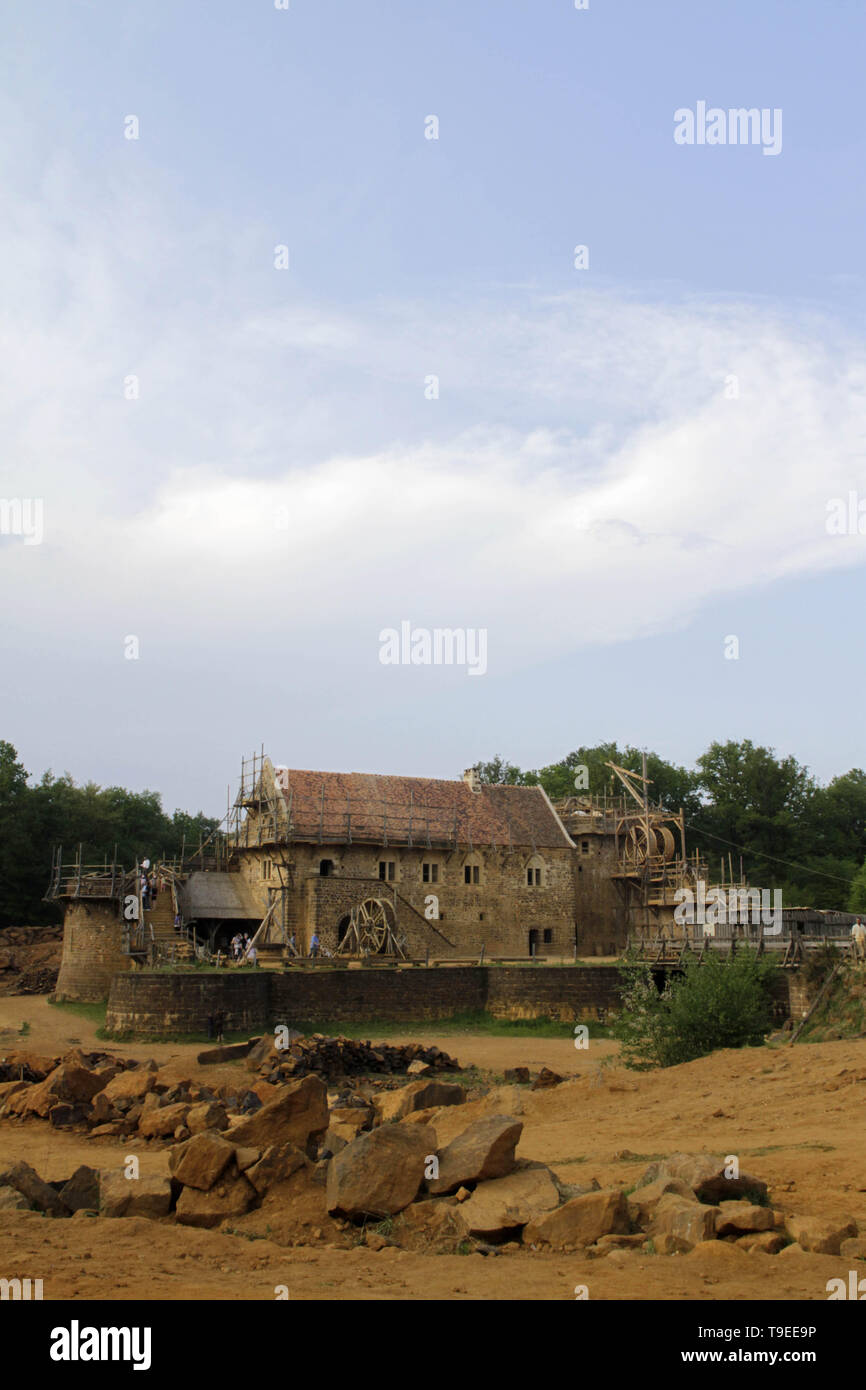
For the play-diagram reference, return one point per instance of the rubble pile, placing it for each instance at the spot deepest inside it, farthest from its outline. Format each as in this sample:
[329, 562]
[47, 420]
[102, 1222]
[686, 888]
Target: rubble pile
[341, 1056]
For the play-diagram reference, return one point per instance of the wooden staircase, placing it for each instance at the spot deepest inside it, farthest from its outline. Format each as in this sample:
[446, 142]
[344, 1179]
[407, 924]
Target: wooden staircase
[167, 942]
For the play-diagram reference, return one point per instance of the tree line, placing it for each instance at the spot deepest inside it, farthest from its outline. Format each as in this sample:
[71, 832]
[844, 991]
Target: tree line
[35, 817]
[741, 800]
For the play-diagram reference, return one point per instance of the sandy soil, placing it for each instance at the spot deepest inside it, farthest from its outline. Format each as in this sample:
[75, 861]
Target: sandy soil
[794, 1117]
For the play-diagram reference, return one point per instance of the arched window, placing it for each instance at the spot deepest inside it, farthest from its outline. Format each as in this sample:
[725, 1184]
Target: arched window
[535, 872]
[326, 868]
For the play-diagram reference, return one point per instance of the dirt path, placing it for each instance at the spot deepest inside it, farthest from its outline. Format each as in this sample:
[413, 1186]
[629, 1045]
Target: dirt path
[793, 1116]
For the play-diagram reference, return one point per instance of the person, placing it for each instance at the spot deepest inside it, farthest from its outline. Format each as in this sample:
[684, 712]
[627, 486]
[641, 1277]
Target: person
[219, 1019]
[314, 946]
[858, 932]
[252, 955]
[145, 896]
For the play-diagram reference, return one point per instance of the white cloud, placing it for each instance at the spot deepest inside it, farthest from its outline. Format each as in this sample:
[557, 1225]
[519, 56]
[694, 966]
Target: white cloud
[582, 478]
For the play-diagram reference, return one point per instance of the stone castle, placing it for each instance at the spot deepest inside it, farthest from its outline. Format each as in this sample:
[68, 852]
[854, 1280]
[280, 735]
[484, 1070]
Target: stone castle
[404, 867]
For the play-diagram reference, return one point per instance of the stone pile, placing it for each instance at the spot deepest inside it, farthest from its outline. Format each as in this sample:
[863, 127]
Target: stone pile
[341, 1056]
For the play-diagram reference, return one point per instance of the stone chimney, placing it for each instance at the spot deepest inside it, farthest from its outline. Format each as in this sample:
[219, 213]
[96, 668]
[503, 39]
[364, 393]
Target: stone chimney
[472, 778]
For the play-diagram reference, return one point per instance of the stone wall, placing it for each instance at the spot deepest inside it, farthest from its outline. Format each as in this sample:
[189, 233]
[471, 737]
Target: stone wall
[156, 1002]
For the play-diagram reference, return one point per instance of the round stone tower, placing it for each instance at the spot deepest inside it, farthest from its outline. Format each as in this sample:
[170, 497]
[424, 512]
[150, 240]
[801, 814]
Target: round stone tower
[93, 941]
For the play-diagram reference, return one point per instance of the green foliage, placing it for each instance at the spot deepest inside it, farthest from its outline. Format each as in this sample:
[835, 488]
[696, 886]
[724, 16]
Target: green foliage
[36, 818]
[719, 1003]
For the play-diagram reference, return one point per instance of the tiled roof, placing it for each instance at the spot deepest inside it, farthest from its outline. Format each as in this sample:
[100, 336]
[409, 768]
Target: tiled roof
[340, 807]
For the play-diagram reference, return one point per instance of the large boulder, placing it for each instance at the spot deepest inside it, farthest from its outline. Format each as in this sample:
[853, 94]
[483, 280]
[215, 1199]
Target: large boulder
[380, 1173]
[81, 1192]
[210, 1114]
[820, 1236]
[484, 1150]
[129, 1085]
[418, 1095]
[148, 1196]
[40, 1195]
[496, 1209]
[12, 1200]
[277, 1164]
[69, 1083]
[742, 1218]
[297, 1115]
[644, 1200]
[232, 1196]
[680, 1223]
[201, 1160]
[581, 1221]
[705, 1174]
[161, 1123]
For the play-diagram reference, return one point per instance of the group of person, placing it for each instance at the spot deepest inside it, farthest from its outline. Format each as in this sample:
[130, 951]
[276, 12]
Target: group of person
[243, 949]
[150, 886]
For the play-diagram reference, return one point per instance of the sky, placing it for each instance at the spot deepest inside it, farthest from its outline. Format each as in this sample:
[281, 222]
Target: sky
[320, 321]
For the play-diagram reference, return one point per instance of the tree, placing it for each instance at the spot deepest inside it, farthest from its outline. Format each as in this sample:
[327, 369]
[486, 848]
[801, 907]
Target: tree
[718, 1003]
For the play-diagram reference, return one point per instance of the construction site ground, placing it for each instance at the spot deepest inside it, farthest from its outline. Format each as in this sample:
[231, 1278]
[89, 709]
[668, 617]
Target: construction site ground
[794, 1116]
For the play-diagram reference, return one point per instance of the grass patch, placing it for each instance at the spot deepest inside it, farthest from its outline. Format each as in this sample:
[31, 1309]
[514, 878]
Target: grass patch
[93, 1013]
[469, 1021]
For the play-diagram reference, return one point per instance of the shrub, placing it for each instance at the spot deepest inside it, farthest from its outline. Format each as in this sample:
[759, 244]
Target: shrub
[719, 1003]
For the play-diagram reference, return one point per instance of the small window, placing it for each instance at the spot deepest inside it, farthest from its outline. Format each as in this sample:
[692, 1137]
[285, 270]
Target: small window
[430, 873]
[266, 868]
[548, 936]
[326, 868]
[470, 873]
[533, 878]
[387, 869]
[584, 846]
[481, 916]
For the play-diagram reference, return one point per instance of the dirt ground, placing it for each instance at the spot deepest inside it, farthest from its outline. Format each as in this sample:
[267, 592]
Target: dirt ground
[795, 1117]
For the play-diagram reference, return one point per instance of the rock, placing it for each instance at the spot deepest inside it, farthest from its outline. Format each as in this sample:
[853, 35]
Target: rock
[114, 1194]
[40, 1195]
[100, 1131]
[434, 1224]
[35, 1063]
[229, 1053]
[209, 1115]
[263, 1051]
[161, 1123]
[546, 1078]
[180, 1134]
[417, 1068]
[276, 1165]
[150, 1197]
[581, 1221]
[705, 1175]
[766, 1242]
[717, 1251]
[819, 1236]
[82, 1190]
[12, 1200]
[462, 1194]
[265, 1091]
[10, 1088]
[740, 1218]
[484, 1150]
[517, 1076]
[498, 1208]
[333, 1142]
[101, 1109]
[201, 1160]
[679, 1224]
[64, 1116]
[245, 1158]
[67, 1083]
[352, 1116]
[854, 1248]
[418, 1095]
[232, 1196]
[793, 1249]
[129, 1085]
[644, 1200]
[606, 1244]
[298, 1115]
[380, 1173]
[374, 1241]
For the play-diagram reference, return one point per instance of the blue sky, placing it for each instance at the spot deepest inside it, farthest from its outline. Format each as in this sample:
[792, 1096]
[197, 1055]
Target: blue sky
[583, 488]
